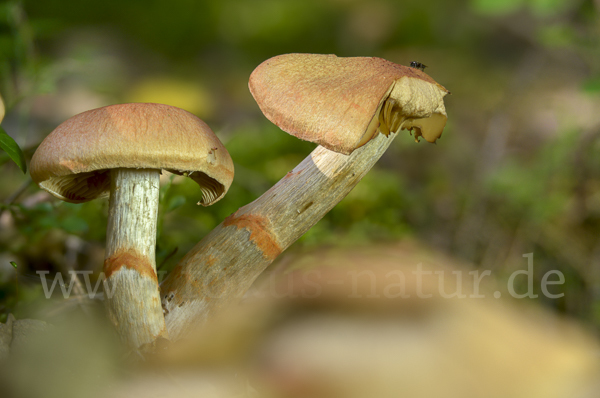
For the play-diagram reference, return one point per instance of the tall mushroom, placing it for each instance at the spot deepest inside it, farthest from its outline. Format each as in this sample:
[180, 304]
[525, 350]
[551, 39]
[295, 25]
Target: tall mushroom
[120, 150]
[340, 103]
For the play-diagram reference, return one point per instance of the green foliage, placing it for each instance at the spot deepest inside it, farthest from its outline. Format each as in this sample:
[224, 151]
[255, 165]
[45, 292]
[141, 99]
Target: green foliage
[538, 190]
[493, 7]
[542, 8]
[558, 35]
[592, 85]
[8, 145]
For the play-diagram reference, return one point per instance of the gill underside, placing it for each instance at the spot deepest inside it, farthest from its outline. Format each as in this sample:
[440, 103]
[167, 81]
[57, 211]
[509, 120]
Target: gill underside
[392, 120]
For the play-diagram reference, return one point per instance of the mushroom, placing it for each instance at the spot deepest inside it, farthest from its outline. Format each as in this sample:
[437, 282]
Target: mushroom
[120, 150]
[341, 103]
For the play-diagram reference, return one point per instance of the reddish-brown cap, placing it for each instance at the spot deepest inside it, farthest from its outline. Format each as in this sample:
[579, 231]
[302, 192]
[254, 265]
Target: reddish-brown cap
[341, 103]
[73, 162]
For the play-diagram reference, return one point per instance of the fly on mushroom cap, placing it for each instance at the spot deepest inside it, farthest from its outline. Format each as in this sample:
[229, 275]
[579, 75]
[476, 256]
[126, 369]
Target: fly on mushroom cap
[73, 163]
[341, 103]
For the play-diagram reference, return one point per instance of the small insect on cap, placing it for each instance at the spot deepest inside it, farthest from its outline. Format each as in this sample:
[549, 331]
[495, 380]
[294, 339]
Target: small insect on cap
[341, 103]
[73, 162]
[418, 65]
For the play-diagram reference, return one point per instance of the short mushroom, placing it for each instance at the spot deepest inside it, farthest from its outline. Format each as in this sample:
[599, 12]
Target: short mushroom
[341, 103]
[120, 150]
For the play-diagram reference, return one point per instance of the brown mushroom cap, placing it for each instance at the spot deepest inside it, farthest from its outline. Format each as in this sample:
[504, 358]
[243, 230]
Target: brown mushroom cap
[341, 103]
[73, 162]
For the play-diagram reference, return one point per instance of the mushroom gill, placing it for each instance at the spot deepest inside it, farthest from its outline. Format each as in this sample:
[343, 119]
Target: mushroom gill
[413, 105]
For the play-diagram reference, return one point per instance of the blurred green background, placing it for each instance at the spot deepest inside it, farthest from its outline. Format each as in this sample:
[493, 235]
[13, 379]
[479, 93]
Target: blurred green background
[516, 171]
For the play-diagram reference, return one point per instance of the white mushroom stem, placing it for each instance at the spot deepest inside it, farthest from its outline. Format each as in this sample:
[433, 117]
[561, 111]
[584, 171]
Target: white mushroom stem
[132, 294]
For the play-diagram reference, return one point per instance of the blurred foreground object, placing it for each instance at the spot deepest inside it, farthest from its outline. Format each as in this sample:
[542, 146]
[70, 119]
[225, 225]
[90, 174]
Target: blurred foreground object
[337, 328]
[17, 333]
[121, 150]
[75, 357]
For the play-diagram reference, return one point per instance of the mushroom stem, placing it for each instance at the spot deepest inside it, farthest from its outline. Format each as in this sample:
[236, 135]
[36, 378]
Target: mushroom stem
[226, 262]
[132, 293]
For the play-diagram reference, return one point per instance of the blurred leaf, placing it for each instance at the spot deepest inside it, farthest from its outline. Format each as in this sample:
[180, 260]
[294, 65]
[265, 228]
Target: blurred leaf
[45, 207]
[556, 36]
[74, 224]
[538, 192]
[13, 264]
[542, 8]
[496, 7]
[549, 7]
[12, 149]
[592, 85]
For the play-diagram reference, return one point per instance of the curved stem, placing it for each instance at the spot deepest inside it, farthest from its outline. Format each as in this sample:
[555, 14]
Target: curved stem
[221, 268]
